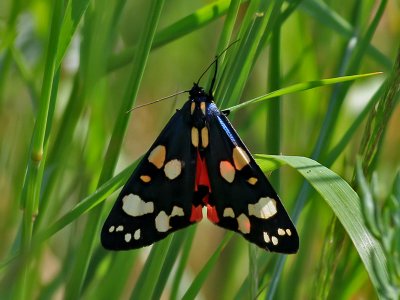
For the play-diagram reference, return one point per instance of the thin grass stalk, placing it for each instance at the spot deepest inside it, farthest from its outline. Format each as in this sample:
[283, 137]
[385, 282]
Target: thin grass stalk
[225, 37]
[329, 261]
[187, 246]
[330, 120]
[172, 256]
[9, 38]
[139, 63]
[60, 149]
[180, 28]
[263, 21]
[34, 176]
[273, 126]
[232, 56]
[146, 284]
[91, 73]
[378, 120]
[353, 66]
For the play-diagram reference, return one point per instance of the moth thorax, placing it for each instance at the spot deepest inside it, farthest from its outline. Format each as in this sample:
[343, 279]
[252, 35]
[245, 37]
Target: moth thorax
[198, 117]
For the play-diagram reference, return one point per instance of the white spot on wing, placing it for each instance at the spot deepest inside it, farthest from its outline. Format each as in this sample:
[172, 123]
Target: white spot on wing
[243, 223]
[111, 229]
[281, 231]
[228, 212]
[136, 235]
[173, 168]
[119, 228]
[177, 211]
[266, 237]
[128, 237]
[288, 232]
[162, 222]
[263, 209]
[134, 206]
[274, 240]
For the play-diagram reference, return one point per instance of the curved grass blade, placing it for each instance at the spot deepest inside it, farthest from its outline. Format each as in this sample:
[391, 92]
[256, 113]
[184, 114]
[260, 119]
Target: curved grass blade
[345, 203]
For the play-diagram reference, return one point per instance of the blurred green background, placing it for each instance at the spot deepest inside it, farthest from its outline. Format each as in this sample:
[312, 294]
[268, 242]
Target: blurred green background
[69, 71]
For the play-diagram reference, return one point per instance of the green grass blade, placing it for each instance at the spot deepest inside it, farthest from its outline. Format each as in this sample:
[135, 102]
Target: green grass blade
[172, 255]
[226, 35]
[242, 63]
[301, 87]
[87, 204]
[72, 17]
[190, 233]
[328, 17]
[349, 134]
[85, 249]
[197, 283]
[192, 22]
[117, 276]
[38, 152]
[184, 26]
[146, 283]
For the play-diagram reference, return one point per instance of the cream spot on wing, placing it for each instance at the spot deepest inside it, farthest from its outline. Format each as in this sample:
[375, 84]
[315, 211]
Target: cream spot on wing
[228, 212]
[119, 228]
[240, 158]
[134, 206]
[192, 107]
[162, 222]
[274, 240]
[227, 171]
[128, 237]
[145, 178]
[204, 137]
[244, 224]
[173, 168]
[203, 107]
[263, 209]
[252, 180]
[266, 237]
[177, 211]
[281, 231]
[136, 235]
[288, 232]
[157, 156]
[111, 229]
[195, 137]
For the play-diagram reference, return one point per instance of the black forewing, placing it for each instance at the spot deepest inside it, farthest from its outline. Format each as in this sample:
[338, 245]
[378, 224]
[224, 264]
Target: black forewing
[122, 231]
[275, 233]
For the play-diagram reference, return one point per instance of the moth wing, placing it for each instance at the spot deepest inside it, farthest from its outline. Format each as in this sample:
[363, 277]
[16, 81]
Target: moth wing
[157, 199]
[242, 199]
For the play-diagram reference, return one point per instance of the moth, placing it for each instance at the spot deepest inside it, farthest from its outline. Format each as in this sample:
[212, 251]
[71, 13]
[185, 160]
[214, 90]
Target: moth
[197, 161]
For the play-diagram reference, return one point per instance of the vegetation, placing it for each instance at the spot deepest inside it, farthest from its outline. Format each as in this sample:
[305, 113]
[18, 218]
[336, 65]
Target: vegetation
[304, 76]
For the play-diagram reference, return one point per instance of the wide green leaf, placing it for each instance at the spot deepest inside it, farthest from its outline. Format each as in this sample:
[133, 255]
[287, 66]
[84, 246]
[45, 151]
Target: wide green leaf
[345, 204]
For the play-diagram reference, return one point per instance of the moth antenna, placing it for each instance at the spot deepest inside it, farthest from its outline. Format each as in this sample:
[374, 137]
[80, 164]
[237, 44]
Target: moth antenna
[215, 61]
[156, 101]
[214, 77]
